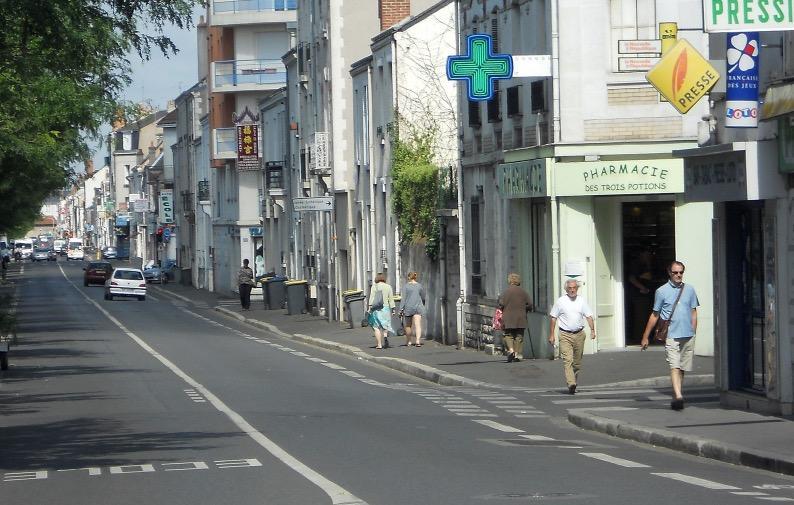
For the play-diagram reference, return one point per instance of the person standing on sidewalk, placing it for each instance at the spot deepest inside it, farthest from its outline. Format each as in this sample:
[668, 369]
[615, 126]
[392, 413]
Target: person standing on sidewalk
[245, 281]
[412, 308]
[515, 303]
[680, 344]
[381, 305]
[571, 310]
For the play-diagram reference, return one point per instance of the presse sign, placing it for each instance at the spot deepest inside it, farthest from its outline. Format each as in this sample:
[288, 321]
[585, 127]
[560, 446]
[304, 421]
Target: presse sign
[748, 15]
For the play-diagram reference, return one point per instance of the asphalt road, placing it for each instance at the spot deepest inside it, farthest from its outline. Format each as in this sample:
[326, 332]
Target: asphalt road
[165, 402]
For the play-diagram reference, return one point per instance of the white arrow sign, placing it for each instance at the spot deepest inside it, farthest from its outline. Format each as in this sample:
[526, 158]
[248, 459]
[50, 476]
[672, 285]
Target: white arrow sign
[313, 204]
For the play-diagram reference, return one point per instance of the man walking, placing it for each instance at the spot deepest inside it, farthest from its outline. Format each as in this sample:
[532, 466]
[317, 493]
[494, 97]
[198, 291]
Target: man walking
[679, 301]
[571, 310]
[245, 281]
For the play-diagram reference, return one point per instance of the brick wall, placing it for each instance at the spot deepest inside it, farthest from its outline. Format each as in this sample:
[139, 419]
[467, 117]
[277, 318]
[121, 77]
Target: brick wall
[633, 128]
[632, 96]
[393, 11]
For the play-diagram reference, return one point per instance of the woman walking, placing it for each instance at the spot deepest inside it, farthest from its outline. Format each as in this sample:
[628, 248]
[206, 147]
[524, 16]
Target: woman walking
[381, 304]
[515, 303]
[412, 308]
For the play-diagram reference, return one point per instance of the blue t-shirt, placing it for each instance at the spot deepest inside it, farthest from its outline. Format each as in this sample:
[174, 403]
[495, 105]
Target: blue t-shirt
[681, 325]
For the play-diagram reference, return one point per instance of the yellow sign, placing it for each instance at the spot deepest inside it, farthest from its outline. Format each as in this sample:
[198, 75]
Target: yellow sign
[683, 76]
[668, 34]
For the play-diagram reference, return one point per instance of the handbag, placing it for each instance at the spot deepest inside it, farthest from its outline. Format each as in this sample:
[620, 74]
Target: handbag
[377, 301]
[663, 325]
[498, 324]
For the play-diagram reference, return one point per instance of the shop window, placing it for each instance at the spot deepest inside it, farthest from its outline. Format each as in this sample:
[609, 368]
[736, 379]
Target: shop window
[540, 265]
[477, 262]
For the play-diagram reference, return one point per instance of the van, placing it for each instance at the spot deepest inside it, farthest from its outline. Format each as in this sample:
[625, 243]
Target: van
[75, 249]
[23, 247]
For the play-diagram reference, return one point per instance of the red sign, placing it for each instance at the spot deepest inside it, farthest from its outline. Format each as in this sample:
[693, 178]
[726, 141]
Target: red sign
[248, 147]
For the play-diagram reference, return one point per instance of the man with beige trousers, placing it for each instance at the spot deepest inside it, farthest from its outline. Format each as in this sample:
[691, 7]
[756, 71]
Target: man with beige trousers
[572, 311]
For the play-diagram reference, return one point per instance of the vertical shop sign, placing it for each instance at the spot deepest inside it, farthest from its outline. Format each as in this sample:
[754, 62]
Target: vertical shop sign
[166, 206]
[741, 94]
[247, 147]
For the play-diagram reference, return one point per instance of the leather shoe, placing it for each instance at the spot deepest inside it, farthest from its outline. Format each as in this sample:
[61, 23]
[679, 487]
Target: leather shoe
[677, 404]
[510, 357]
[572, 389]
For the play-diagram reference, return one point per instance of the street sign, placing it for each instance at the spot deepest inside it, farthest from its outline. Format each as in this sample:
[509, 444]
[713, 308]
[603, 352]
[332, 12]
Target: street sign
[313, 204]
[683, 76]
[479, 67]
[639, 46]
[748, 15]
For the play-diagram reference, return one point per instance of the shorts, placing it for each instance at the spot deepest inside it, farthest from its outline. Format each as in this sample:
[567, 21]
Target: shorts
[680, 352]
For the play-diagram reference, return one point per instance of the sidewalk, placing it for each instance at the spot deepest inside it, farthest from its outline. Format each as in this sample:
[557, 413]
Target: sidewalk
[727, 435]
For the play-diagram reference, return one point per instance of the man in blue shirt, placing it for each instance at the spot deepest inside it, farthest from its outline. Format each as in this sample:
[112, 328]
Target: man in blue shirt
[680, 345]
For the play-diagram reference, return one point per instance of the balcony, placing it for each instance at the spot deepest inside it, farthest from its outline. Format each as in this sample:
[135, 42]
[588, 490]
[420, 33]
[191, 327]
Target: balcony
[225, 140]
[248, 75]
[243, 12]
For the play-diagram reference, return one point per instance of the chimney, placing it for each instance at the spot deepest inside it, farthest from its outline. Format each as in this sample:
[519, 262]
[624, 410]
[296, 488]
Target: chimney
[392, 12]
[89, 167]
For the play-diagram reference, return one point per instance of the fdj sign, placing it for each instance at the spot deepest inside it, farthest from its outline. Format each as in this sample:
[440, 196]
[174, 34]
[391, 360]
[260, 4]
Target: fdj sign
[480, 67]
[748, 15]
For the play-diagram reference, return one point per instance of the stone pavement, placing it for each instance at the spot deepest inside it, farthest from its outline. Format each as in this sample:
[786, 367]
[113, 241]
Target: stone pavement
[705, 430]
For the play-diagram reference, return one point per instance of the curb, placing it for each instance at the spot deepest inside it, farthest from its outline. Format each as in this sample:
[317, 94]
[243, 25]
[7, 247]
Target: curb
[696, 446]
[664, 381]
[409, 367]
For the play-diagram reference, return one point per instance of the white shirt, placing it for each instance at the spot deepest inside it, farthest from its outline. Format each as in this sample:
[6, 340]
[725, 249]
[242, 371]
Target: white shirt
[570, 314]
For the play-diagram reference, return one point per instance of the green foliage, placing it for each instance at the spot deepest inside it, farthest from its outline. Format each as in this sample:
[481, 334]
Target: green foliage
[415, 186]
[62, 70]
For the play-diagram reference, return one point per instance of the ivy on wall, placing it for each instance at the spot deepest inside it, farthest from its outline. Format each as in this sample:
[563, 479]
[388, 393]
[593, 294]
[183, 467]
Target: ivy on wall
[415, 185]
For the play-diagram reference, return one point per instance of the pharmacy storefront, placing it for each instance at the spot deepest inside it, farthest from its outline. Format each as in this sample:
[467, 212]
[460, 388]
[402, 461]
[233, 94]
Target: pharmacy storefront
[613, 225]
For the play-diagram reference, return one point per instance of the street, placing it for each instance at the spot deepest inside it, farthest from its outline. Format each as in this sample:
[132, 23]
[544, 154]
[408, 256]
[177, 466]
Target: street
[168, 402]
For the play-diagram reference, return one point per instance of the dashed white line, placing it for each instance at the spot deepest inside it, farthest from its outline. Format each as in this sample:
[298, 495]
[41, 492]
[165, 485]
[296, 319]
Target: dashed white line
[695, 481]
[775, 498]
[615, 461]
[591, 400]
[498, 426]
[333, 366]
[537, 438]
[749, 493]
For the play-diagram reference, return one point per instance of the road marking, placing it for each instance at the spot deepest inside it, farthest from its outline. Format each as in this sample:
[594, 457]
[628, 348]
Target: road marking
[591, 400]
[615, 461]
[775, 498]
[353, 374]
[152, 297]
[609, 392]
[498, 426]
[530, 416]
[300, 354]
[708, 484]
[132, 469]
[337, 493]
[539, 438]
[333, 366]
[474, 414]
[608, 409]
[316, 360]
[187, 465]
[749, 493]
[687, 397]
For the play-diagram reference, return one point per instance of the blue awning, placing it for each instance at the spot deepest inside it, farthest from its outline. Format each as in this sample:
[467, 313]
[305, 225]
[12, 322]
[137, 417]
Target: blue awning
[122, 220]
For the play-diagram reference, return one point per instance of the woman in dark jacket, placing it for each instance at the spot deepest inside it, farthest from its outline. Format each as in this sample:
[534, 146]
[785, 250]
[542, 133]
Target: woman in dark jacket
[515, 303]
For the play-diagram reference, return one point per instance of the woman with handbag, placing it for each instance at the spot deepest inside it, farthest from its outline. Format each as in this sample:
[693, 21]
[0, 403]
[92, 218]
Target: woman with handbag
[412, 308]
[381, 305]
[515, 303]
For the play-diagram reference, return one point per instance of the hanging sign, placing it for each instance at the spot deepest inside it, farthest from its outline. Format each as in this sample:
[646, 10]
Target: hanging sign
[479, 67]
[683, 76]
[741, 93]
[166, 206]
[247, 147]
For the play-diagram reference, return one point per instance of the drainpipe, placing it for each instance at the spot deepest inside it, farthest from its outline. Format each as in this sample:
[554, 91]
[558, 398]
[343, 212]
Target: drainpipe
[442, 270]
[461, 231]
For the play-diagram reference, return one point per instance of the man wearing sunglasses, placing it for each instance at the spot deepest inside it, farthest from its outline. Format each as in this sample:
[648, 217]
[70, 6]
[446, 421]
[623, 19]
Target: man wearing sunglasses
[680, 344]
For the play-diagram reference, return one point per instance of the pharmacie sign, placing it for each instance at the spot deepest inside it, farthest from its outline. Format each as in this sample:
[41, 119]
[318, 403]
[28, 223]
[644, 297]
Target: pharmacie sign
[625, 177]
[522, 179]
[748, 15]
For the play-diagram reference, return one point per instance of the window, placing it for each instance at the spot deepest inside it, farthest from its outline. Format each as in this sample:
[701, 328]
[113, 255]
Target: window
[474, 113]
[631, 20]
[538, 96]
[275, 175]
[494, 107]
[477, 262]
[540, 264]
[514, 101]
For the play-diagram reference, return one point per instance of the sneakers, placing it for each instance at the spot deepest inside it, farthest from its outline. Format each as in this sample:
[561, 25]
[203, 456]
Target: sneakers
[572, 389]
[510, 357]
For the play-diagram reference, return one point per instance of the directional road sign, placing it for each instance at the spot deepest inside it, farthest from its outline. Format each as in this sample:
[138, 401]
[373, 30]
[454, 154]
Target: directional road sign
[313, 204]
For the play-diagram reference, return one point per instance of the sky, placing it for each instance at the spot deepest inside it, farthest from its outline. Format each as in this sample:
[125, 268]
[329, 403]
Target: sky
[160, 79]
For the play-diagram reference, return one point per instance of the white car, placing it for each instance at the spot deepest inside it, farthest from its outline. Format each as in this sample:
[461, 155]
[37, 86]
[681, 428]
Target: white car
[75, 254]
[127, 282]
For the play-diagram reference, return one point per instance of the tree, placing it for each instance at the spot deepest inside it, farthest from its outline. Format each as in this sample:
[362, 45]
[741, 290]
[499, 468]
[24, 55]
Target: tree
[63, 66]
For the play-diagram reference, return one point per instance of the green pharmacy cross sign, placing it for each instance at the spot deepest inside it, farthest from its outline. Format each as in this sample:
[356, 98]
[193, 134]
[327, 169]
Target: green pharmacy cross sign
[480, 67]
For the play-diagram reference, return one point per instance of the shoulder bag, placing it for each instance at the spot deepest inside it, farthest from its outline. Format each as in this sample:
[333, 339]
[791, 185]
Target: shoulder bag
[377, 301]
[663, 325]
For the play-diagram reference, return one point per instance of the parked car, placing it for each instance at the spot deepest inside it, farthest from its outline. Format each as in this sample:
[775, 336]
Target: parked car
[155, 274]
[97, 272]
[126, 282]
[42, 254]
[109, 253]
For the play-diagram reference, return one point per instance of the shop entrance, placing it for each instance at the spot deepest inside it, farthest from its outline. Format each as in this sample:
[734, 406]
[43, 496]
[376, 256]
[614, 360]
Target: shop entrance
[648, 247]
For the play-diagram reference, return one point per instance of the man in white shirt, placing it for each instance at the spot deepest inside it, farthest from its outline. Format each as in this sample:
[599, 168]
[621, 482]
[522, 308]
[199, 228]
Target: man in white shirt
[571, 310]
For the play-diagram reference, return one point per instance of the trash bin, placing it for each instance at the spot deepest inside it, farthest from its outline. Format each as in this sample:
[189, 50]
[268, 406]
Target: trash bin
[354, 306]
[274, 287]
[396, 320]
[296, 296]
[262, 282]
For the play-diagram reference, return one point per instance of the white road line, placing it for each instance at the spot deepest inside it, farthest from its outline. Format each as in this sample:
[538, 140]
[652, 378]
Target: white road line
[338, 494]
[539, 438]
[774, 498]
[474, 414]
[523, 411]
[749, 493]
[507, 402]
[530, 416]
[708, 484]
[615, 461]
[316, 360]
[687, 397]
[608, 409]
[333, 366]
[591, 400]
[609, 392]
[351, 373]
[499, 426]
[301, 354]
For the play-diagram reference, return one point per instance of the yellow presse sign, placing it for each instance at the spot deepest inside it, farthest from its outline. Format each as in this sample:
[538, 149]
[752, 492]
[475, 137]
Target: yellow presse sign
[683, 76]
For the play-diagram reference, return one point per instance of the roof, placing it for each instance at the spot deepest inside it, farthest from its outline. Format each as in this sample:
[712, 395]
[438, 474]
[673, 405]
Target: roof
[137, 125]
[168, 119]
[409, 21]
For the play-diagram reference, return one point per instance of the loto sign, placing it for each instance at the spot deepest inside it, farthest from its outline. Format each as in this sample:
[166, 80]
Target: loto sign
[683, 76]
[748, 15]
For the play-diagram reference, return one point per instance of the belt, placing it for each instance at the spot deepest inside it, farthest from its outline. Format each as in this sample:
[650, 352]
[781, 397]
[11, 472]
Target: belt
[572, 331]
